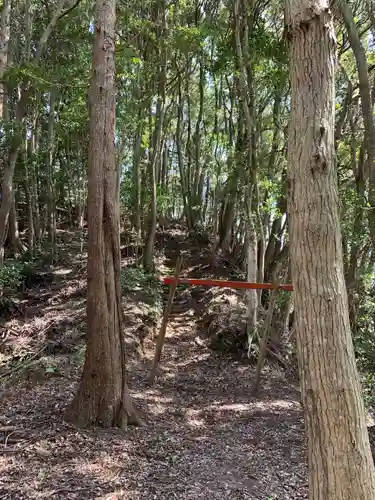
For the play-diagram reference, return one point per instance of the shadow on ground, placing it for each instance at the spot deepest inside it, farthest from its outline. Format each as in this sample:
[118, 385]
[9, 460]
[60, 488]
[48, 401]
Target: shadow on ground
[206, 436]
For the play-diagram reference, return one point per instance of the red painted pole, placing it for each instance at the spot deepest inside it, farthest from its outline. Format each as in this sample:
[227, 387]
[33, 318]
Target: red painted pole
[228, 284]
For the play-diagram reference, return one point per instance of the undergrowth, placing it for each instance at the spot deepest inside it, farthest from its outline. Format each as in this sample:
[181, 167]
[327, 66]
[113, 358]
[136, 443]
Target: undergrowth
[21, 273]
[135, 280]
[363, 329]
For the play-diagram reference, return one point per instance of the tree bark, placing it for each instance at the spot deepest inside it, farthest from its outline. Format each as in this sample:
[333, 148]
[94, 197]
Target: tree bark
[8, 173]
[340, 461]
[51, 211]
[137, 178]
[248, 153]
[32, 177]
[148, 259]
[184, 181]
[28, 196]
[102, 397]
[14, 239]
[4, 49]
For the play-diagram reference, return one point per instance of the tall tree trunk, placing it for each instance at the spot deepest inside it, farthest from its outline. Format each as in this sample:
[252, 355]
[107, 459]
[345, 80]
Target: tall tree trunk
[14, 239]
[8, 172]
[339, 455]
[196, 198]
[148, 260]
[353, 268]
[251, 248]
[102, 397]
[366, 103]
[137, 178]
[28, 195]
[51, 215]
[4, 50]
[32, 178]
[184, 180]
[245, 87]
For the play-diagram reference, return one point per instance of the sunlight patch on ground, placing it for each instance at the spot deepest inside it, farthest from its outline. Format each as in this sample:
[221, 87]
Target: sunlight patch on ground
[5, 464]
[192, 418]
[171, 365]
[106, 467]
[117, 495]
[62, 271]
[153, 396]
[254, 405]
[22, 342]
[156, 404]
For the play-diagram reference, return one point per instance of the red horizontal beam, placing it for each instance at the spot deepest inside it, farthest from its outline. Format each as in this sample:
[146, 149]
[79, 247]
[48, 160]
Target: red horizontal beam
[226, 284]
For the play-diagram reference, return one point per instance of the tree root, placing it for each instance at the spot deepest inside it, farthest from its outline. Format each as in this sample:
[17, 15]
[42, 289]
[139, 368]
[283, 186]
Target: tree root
[127, 413]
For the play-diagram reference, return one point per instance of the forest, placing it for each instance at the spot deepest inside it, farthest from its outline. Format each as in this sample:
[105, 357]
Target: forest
[146, 143]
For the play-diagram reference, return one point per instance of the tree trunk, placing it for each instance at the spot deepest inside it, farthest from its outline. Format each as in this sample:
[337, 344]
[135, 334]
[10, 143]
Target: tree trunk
[102, 397]
[32, 179]
[148, 260]
[248, 155]
[251, 295]
[366, 103]
[340, 461]
[51, 213]
[28, 196]
[195, 187]
[184, 181]
[137, 178]
[14, 239]
[4, 49]
[8, 173]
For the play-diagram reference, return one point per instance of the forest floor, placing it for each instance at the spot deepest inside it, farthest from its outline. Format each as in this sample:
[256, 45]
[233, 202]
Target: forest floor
[206, 436]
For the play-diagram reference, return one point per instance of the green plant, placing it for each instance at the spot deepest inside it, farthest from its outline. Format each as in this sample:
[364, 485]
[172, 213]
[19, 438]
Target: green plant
[11, 279]
[15, 275]
[136, 280]
[79, 355]
[368, 389]
[363, 328]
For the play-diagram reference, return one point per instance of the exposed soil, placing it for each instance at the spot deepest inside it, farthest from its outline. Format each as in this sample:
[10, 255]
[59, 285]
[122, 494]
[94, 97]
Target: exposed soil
[206, 436]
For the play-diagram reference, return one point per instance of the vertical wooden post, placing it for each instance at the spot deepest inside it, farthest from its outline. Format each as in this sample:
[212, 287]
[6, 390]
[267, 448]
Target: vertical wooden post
[266, 332]
[163, 327]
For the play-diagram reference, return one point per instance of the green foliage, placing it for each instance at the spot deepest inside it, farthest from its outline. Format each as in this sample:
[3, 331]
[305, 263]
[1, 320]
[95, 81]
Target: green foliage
[212, 137]
[368, 388]
[11, 279]
[79, 354]
[127, 190]
[164, 199]
[15, 276]
[282, 298]
[51, 369]
[190, 38]
[365, 334]
[364, 338]
[136, 280]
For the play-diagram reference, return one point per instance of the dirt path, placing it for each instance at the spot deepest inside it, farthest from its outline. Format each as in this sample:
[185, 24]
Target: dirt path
[206, 437]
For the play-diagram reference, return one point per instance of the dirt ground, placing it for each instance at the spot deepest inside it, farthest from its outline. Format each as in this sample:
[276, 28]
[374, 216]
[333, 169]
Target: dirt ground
[206, 436]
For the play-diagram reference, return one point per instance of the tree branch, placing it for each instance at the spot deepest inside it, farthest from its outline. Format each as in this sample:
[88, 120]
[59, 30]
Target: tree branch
[58, 14]
[70, 9]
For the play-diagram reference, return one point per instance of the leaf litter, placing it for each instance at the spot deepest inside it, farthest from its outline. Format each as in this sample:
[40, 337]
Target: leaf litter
[206, 436]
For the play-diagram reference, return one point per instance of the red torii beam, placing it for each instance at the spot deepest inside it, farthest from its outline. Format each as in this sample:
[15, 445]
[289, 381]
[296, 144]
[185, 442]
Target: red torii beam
[175, 280]
[226, 284]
